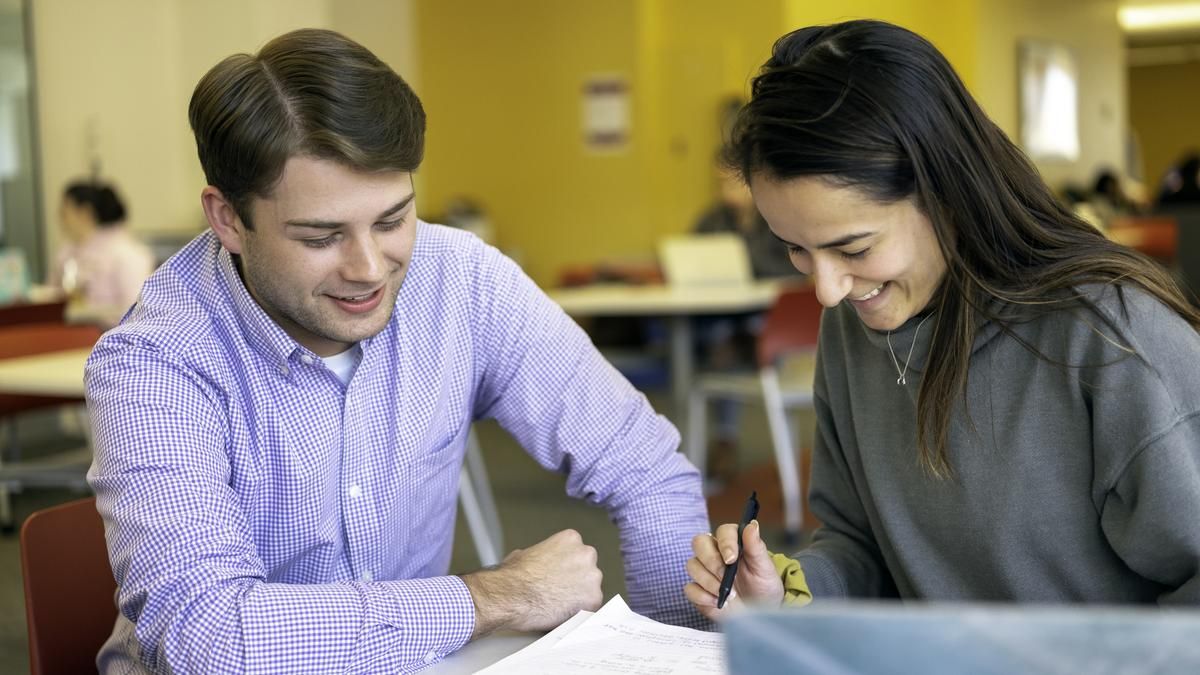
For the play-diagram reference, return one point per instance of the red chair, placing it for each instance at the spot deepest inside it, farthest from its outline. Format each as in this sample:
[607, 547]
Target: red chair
[784, 352]
[1156, 236]
[70, 604]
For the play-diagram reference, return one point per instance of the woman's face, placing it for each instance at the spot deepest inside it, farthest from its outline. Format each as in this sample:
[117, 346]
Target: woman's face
[77, 220]
[882, 258]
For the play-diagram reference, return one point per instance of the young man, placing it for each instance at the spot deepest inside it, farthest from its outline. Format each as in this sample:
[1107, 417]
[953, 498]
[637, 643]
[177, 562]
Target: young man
[280, 421]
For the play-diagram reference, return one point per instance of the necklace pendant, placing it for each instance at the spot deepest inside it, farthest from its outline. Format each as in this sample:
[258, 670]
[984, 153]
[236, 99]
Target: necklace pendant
[901, 381]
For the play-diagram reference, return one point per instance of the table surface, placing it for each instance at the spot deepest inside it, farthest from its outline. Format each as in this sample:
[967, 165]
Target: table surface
[483, 653]
[48, 374]
[659, 300]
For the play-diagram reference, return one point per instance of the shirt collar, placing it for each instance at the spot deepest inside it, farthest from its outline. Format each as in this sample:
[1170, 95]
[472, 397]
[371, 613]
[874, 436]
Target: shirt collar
[260, 330]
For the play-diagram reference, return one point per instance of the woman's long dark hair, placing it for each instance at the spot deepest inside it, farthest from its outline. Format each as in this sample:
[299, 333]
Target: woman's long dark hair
[870, 105]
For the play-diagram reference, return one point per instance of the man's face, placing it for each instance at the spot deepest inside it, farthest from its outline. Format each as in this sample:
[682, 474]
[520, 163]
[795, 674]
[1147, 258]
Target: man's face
[329, 251]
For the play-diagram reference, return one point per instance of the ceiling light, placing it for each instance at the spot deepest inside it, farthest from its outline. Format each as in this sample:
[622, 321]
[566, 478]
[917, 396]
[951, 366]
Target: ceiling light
[1159, 17]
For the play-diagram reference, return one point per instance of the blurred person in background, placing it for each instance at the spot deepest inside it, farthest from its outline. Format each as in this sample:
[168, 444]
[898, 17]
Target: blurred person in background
[1109, 198]
[727, 341]
[102, 266]
[1181, 185]
[1008, 403]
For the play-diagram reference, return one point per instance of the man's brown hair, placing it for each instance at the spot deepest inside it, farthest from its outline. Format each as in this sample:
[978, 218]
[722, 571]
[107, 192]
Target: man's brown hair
[310, 92]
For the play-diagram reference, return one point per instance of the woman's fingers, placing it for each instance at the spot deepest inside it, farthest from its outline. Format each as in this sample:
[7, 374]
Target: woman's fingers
[707, 553]
[727, 542]
[703, 577]
[705, 602]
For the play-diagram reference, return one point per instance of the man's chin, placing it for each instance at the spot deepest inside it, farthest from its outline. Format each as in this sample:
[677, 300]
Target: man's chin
[357, 328]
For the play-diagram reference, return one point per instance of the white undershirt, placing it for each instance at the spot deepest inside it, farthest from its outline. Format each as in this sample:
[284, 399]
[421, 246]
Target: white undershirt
[343, 365]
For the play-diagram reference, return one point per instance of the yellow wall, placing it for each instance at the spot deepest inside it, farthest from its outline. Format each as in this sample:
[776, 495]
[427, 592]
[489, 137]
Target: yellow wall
[1163, 109]
[949, 25]
[702, 54]
[502, 85]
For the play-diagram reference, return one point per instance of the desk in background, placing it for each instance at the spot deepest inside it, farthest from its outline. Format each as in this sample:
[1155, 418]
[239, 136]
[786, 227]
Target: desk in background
[677, 304]
[48, 374]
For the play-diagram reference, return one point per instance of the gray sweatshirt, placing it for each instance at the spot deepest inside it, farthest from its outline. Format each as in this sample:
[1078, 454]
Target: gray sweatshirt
[1075, 485]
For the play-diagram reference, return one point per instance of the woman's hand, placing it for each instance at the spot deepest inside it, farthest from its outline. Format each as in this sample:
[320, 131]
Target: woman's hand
[757, 580]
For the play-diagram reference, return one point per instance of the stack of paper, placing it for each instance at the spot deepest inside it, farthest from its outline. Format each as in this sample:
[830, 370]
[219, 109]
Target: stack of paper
[616, 640]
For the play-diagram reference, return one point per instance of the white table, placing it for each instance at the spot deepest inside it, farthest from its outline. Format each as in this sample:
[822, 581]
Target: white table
[48, 374]
[483, 653]
[678, 304]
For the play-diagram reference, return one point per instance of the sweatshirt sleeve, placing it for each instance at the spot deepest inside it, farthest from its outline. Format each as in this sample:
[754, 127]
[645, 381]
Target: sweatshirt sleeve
[1146, 434]
[1149, 514]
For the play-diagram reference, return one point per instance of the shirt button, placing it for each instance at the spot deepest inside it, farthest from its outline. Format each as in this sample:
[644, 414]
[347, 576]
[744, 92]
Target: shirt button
[355, 491]
[366, 576]
[283, 369]
[306, 359]
[431, 657]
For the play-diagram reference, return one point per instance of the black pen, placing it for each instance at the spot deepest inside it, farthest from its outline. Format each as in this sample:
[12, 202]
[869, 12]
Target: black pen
[748, 514]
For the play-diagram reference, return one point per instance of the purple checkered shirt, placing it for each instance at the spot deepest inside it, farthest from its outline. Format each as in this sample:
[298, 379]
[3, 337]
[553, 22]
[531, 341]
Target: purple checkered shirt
[262, 517]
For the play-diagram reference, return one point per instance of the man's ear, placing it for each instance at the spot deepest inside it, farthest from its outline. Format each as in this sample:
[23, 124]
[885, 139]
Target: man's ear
[223, 219]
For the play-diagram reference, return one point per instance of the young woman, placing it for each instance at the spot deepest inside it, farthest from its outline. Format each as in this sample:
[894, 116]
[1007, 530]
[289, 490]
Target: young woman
[1008, 403]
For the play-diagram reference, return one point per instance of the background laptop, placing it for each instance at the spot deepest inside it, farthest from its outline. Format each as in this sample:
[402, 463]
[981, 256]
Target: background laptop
[705, 260]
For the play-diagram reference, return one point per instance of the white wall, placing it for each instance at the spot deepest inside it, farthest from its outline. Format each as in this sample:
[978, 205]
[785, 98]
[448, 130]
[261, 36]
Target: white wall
[114, 79]
[1090, 29]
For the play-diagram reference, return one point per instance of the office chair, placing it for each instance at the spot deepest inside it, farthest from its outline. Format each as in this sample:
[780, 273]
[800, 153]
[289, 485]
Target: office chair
[783, 382]
[69, 587]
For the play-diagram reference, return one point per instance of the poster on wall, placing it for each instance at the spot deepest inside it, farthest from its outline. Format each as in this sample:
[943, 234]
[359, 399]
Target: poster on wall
[1049, 94]
[606, 114]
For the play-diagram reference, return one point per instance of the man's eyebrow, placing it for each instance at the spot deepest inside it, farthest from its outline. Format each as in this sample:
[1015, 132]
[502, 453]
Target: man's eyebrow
[836, 243]
[335, 224]
[398, 206]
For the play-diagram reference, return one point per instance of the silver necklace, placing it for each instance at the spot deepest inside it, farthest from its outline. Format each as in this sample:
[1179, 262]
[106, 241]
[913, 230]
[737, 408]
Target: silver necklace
[903, 371]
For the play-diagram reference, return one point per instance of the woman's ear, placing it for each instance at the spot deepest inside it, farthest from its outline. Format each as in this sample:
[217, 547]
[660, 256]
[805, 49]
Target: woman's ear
[223, 219]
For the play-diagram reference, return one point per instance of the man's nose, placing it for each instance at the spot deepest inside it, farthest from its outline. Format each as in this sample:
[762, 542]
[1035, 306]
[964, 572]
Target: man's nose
[364, 261]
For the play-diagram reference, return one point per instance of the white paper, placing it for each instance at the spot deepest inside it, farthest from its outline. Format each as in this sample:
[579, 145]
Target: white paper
[617, 640]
